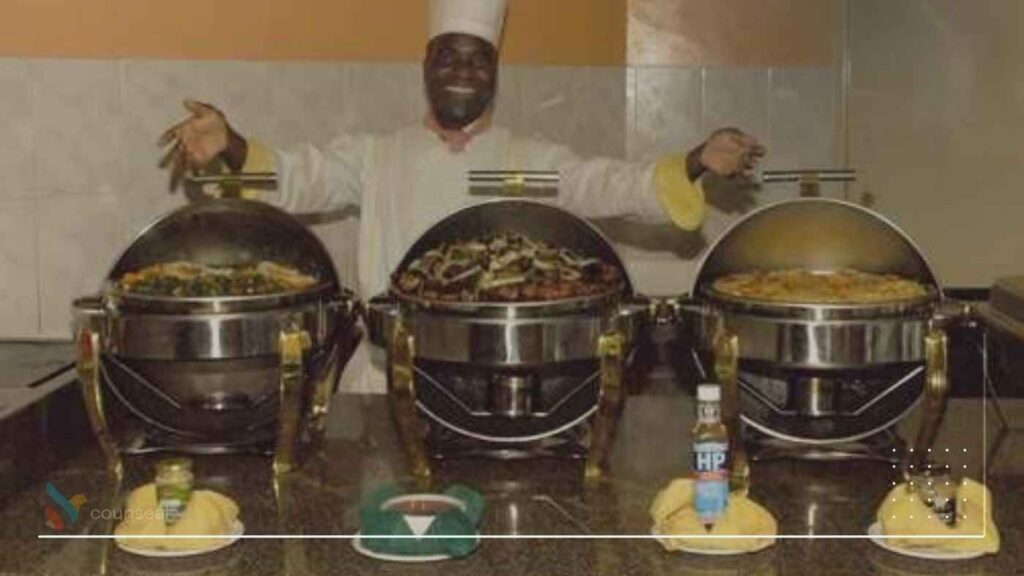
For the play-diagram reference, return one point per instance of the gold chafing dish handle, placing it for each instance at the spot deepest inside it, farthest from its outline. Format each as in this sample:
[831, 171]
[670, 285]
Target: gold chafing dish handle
[611, 348]
[293, 342]
[88, 346]
[726, 350]
[514, 183]
[936, 387]
[234, 178]
[402, 392]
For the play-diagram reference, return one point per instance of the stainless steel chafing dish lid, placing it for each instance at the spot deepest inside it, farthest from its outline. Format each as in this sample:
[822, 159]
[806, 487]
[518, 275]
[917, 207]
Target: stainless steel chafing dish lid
[818, 234]
[218, 232]
[824, 235]
[224, 232]
[510, 333]
[531, 218]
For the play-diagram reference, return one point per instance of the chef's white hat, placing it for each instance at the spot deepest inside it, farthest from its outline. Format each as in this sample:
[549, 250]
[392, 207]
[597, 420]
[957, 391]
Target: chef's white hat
[483, 18]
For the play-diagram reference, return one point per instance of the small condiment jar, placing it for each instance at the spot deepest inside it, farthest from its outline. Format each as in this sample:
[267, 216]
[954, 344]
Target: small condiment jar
[174, 481]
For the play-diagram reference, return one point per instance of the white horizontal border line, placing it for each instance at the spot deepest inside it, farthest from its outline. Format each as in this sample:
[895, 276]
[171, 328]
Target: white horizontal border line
[509, 537]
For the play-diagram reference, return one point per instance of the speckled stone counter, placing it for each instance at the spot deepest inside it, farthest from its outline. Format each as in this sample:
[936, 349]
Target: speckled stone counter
[22, 363]
[540, 497]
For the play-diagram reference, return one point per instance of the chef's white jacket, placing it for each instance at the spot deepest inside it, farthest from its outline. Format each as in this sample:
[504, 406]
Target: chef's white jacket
[408, 180]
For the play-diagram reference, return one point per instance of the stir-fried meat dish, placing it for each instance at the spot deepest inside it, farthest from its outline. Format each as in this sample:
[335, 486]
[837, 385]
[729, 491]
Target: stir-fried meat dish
[806, 287]
[505, 268]
[187, 279]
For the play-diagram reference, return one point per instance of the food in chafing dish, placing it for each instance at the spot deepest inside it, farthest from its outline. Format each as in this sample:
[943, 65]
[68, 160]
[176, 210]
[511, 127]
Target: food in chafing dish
[188, 279]
[505, 268]
[805, 287]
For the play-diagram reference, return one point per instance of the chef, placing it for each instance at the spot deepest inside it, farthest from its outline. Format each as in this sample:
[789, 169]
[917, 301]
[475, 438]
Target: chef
[405, 181]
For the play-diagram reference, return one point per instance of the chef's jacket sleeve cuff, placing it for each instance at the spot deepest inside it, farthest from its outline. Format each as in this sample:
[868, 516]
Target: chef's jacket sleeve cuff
[259, 159]
[680, 198]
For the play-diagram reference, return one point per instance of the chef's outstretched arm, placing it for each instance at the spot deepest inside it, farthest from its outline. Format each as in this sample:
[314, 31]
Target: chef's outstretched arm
[651, 191]
[309, 178]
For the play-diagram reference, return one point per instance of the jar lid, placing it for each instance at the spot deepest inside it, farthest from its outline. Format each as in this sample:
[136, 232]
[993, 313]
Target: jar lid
[709, 393]
[178, 464]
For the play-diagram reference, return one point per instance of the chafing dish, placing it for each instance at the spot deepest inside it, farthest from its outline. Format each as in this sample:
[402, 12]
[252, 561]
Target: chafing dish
[509, 373]
[217, 372]
[819, 235]
[820, 374]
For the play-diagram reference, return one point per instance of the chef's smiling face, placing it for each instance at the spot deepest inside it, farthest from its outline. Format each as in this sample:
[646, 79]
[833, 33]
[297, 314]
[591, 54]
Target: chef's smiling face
[460, 73]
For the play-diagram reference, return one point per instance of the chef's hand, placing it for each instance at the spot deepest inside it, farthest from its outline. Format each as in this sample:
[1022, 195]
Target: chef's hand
[199, 139]
[728, 153]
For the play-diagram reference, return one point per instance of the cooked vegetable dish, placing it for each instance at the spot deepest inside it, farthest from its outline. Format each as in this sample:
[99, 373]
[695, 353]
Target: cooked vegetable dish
[187, 279]
[806, 287]
[505, 268]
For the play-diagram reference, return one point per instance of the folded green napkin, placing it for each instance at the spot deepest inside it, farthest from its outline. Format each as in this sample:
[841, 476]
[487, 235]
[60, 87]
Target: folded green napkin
[376, 524]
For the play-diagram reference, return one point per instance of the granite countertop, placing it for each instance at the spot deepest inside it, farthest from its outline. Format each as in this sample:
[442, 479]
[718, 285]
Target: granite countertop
[31, 370]
[23, 363]
[538, 497]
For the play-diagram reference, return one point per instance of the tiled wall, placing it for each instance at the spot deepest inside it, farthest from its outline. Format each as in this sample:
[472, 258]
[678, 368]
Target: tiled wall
[78, 154]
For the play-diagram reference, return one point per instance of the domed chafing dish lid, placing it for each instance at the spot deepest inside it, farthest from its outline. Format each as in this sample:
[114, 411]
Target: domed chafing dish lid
[816, 234]
[537, 220]
[219, 232]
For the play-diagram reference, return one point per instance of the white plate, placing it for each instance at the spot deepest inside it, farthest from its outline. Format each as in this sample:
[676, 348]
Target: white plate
[715, 551]
[924, 553]
[237, 529]
[357, 543]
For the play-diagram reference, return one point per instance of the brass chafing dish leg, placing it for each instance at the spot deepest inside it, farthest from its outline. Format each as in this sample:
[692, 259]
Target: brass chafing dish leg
[402, 384]
[611, 347]
[293, 557]
[936, 386]
[293, 343]
[321, 400]
[89, 345]
[726, 350]
[323, 388]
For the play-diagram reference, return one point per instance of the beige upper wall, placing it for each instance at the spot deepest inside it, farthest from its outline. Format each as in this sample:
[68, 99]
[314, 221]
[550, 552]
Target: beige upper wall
[562, 32]
[568, 32]
[731, 32]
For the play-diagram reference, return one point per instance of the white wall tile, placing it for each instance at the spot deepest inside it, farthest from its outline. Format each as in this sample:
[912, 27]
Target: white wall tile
[77, 125]
[737, 98]
[583, 107]
[80, 237]
[307, 102]
[245, 92]
[801, 118]
[153, 94]
[17, 137]
[383, 97]
[19, 308]
[340, 236]
[668, 111]
[508, 103]
[632, 152]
